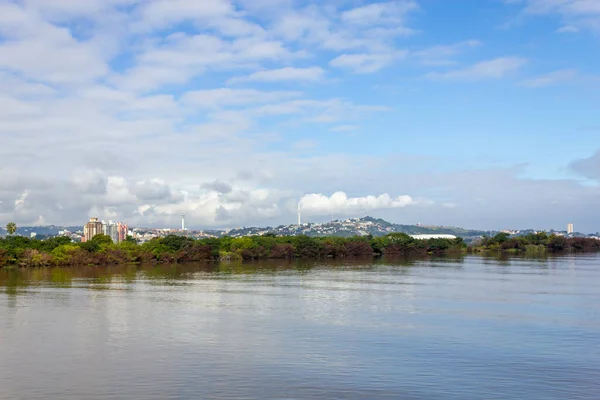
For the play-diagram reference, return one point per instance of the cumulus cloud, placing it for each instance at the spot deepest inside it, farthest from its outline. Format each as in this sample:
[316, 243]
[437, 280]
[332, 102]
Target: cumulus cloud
[339, 202]
[121, 109]
[218, 186]
[66, 59]
[151, 190]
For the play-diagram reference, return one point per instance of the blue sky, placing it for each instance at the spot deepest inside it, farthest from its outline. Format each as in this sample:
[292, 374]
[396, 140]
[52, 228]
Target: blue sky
[482, 114]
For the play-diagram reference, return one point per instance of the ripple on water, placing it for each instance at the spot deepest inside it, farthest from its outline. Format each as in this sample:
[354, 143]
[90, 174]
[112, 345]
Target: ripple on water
[436, 329]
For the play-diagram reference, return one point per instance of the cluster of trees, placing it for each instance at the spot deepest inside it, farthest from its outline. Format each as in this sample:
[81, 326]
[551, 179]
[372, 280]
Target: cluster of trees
[538, 242]
[26, 252]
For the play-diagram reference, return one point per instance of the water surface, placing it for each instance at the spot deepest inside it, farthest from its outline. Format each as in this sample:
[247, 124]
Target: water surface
[466, 328]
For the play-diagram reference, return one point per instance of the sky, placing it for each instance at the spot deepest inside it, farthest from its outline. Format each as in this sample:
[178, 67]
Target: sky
[482, 114]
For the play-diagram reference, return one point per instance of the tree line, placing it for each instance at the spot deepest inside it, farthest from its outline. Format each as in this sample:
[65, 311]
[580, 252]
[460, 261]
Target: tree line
[27, 252]
[536, 242]
[21, 251]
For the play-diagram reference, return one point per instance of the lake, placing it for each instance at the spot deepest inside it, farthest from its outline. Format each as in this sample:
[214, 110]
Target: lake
[444, 328]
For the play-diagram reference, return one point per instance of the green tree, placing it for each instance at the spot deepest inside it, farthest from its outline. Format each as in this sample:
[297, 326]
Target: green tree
[130, 239]
[102, 240]
[98, 242]
[11, 228]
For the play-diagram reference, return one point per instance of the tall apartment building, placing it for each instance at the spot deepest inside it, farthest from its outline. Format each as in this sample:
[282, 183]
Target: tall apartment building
[122, 230]
[117, 231]
[570, 229]
[91, 229]
[110, 229]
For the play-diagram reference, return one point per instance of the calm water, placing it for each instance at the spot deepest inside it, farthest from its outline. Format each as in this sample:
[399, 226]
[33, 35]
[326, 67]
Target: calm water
[469, 328]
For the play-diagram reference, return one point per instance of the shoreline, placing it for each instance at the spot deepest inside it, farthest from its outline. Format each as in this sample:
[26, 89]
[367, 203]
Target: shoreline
[21, 252]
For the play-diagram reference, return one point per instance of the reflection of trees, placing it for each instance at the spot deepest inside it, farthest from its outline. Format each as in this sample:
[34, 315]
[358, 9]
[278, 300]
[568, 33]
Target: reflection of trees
[13, 281]
[65, 277]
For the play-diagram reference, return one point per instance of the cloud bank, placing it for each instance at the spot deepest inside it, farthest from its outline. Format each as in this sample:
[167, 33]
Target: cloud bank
[232, 111]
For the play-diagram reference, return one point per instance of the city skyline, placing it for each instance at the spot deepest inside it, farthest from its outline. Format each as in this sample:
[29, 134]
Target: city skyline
[242, 113]
[118, 231]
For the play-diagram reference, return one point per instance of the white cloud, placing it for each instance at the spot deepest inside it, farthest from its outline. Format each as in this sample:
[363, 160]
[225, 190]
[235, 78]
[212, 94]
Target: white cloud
[574, 13]
[550, 79]
[577, 7]
[119, 107]
[311, 74]
[366, 63]
[180, 57]
[339, 202]
[567, 29]
[370, 28]
[45, 52]
[163, 13]
[224, 97]
[379, 13]
[493, 69]
[443, 54]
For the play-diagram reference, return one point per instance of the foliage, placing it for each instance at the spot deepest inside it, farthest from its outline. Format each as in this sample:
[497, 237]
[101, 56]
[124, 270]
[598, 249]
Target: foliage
[26, 252]
[537, 243]
[11, 228]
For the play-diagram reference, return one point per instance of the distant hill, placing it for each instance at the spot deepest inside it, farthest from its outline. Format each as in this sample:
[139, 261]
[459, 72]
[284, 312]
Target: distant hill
[41, 231]
[355, 227]
[349, 227]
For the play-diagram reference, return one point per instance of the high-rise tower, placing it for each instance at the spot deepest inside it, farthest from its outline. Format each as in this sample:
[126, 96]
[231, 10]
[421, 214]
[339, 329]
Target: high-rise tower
[183, 221]
[91, 229]
[570, 229]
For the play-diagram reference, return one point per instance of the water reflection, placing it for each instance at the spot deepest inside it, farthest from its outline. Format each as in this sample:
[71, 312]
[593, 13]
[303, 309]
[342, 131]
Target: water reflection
[437, 328]
[103, 276]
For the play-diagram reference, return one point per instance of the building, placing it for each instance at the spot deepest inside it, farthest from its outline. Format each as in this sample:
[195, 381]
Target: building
[117, 231]
[110, 229]
[570, 229]
[91, 229]
[432, 236]
[122, 231]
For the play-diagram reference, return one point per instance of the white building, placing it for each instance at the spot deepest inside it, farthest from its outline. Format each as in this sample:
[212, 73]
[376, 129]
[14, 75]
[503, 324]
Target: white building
[110, 229]
[432, 236]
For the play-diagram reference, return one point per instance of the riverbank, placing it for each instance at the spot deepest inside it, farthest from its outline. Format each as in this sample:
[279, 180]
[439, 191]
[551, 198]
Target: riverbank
[22, 252]
[535, 244]
[25, 252]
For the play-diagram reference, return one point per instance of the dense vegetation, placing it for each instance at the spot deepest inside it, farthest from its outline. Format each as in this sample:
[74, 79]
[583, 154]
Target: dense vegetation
[538, 242]
[25, 252]
[21, 251]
